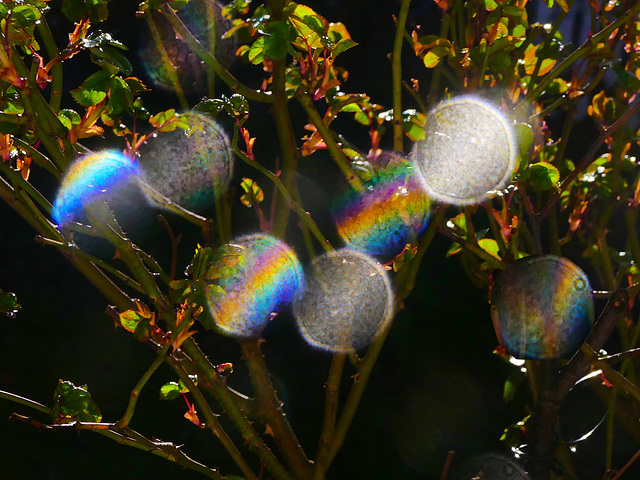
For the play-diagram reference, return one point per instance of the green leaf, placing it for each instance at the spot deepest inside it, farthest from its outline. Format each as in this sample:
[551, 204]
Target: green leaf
[130, 320]
[170, 391]
[543, 176]
[490, 246]
[111, 59]
[490, 5]
[93, 90]
[9, 305]
[74, 10]
[25, 15]
[136, 86]
[253, 193]
[514, 380]
[524, 135]
[120, 97]
[256, 52]
[71, 403]
[276, 40]
[69, 118]
[163, 120]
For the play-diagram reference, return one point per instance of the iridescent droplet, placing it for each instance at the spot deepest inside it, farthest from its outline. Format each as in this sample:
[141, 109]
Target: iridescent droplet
[346, 302]
[542, 307]
[205, 21]
[257, 274]
[468, 152]
[91, 177]
[390, 213]
[189, 166]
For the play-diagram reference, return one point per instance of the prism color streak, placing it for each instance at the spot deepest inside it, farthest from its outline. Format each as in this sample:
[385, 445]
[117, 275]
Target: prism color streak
[346, 302]
[542, 307]
[468, 152]
[189, 166]
[257, 274]
[92, 177]
[392, 212]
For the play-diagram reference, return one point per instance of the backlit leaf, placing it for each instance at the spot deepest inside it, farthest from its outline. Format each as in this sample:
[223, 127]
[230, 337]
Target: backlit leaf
[71, 403]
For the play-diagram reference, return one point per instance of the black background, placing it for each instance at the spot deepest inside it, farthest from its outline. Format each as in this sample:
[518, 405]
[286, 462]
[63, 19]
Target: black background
[436, 386]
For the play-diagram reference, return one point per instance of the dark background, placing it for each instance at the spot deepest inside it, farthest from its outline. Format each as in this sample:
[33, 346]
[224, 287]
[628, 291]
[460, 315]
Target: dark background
[436, 386]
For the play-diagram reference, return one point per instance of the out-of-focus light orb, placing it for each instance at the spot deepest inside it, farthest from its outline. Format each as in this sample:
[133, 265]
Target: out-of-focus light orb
[469, 151]
[391, 212]
[204, 20]
[490, 466]
[346, 302]
[257, 274]
[92, 177]
[542, 307]
[189, 166]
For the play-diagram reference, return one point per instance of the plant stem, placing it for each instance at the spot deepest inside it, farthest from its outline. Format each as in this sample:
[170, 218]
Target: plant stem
[215, 427]
[332, 390]
[332, 146]
[74, 250]
[135, 393]
[212, 62]
[255, 442]
[285, 130]
[304, 215]
[166, 62]
[580, 51]
[25, 401]
[270, 409]
[396, 72]
[129, 437]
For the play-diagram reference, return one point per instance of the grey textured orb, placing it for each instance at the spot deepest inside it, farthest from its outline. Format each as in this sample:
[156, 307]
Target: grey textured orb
[189, 166]
[347, 301]
[469, 150]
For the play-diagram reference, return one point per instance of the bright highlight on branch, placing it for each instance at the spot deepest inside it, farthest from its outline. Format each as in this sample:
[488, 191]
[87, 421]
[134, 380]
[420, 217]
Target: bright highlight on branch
[189, 166]
[90, 178]
[468, 152]
[255, 276]
[392, 212]
[542, 307]
[346, 303]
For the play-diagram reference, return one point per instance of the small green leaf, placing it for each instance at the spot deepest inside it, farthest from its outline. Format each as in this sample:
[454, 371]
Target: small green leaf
[253, 193]
[9, 305]
[524, 135]
[490, 246]
[25, 15]
[111, 59]
[130, 320]
[120, 97]
[71, 403]
[170, 391]
[543, 176]
[256, 52]
[276, 40]
[74, 10]
[93, 90]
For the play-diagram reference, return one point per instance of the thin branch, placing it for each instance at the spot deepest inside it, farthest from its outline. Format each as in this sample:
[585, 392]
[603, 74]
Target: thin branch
[212, 424]
[270, 409]
[332, 390]
[304, 215]
[135, 393]
[580, 51]
[396, 71]
[222, 394]
[212, 62]
[332, 147]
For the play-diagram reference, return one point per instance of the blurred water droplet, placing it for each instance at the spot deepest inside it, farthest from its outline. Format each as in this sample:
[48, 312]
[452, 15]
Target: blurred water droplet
[346, 302]
[469, 151]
